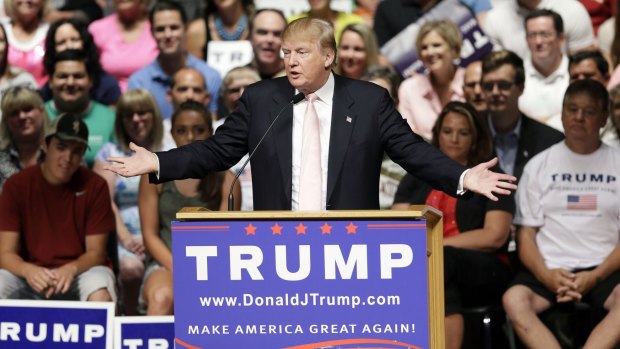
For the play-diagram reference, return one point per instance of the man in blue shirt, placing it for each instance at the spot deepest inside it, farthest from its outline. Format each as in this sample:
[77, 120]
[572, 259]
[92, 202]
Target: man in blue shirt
[169, 26]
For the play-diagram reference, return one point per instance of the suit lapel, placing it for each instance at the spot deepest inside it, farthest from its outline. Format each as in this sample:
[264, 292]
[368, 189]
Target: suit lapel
[524, 149]
[283, 138]
[343, 121]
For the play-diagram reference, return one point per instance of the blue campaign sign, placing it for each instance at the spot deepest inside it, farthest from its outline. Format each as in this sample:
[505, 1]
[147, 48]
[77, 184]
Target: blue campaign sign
[301, 284]
[55, 324]
[144, 332]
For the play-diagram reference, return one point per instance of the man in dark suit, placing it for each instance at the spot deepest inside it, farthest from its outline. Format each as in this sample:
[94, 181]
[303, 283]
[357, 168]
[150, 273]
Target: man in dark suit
[356, 123]
[517, 138]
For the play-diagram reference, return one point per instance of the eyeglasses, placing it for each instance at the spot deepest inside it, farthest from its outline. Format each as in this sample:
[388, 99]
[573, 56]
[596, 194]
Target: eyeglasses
[543, 35]
[502, 85]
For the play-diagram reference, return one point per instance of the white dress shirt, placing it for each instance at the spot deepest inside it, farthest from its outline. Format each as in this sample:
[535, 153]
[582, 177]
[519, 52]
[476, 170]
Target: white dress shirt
[323, 106]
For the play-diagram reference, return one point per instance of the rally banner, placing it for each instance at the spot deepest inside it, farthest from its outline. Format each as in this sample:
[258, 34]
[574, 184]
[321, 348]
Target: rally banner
[144, 332]
[401, 50]
[301, 283]
[28, 324]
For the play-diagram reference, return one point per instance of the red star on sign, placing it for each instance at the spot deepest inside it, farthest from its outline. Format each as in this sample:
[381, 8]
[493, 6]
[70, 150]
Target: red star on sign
[276, 229]
[351, 229]
[250, 230]
[326, 229]
[301, 229]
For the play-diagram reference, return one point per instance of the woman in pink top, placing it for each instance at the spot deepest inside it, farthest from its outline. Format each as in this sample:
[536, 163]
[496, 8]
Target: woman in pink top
[422, 96]
[26, 31]
[126, 32]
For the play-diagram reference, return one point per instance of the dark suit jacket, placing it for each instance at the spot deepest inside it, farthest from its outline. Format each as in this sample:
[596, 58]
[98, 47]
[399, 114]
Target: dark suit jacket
[364, 125]
[535, 137]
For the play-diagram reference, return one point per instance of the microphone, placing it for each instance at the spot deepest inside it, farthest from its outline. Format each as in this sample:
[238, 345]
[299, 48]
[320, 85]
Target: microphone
[231, 200]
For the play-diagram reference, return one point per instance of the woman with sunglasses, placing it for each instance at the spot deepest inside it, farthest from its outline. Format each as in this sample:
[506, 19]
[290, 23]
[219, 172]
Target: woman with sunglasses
[137, 120]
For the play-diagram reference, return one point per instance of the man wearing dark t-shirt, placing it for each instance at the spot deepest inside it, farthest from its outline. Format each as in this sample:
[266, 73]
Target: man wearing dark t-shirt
[55, 219]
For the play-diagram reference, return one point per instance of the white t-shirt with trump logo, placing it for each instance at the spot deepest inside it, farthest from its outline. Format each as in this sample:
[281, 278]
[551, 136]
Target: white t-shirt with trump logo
[574, 200]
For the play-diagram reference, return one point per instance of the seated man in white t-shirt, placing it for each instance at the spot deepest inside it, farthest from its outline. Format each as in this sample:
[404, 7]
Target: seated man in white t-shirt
[568, 207]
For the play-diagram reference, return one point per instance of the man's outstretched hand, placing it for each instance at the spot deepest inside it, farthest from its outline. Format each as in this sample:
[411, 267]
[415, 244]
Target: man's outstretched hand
[480, 179]
[142, 162]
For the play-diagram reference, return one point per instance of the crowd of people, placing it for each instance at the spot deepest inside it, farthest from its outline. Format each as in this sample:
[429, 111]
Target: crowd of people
[78, 88]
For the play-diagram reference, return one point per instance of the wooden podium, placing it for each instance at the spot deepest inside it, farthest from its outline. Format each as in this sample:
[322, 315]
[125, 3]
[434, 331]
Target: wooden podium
[197, 264]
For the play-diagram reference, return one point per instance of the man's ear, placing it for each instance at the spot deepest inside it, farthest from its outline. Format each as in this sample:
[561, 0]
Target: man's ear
[330, 56]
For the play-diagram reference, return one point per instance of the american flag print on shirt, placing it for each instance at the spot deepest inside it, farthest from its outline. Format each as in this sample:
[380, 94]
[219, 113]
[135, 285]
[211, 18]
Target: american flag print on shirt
[581, 202]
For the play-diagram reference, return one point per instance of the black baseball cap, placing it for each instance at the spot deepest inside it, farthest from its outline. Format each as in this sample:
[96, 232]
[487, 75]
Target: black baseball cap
[69, 127]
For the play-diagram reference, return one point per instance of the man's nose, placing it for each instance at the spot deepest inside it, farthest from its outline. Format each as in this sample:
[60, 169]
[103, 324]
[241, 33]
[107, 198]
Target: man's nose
[292, 59]
[65, 155]
[477, 89]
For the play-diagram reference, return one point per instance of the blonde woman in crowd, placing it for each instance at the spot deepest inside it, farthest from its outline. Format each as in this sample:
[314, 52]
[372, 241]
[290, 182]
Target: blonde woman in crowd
[357, 51]
[22, 129]
[137, 120]
[422, 96]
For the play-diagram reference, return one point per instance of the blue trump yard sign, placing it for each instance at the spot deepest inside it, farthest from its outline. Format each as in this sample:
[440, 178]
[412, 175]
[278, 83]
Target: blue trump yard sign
[55, 324]
[269, 284]
[144, 332]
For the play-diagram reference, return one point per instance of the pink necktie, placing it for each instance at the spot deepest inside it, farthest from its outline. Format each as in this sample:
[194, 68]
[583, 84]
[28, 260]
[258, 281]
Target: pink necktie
[310, 187]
